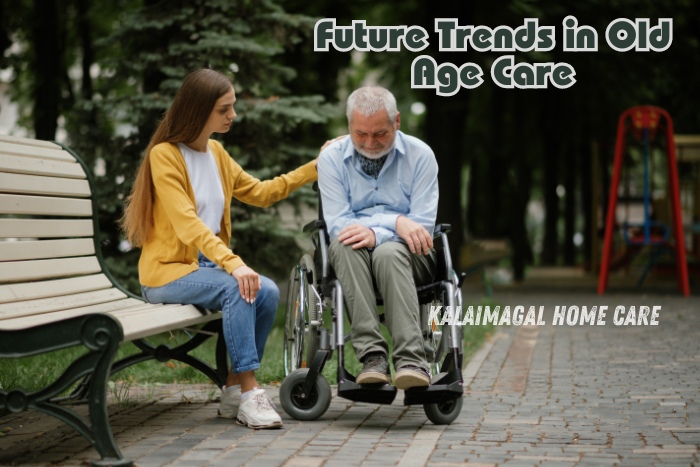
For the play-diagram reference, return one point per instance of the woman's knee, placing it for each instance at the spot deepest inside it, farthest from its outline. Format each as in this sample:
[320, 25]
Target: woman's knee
[269, 291]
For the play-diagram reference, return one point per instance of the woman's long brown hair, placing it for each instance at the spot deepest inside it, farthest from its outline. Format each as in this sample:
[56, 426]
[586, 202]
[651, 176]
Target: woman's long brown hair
[183, 122]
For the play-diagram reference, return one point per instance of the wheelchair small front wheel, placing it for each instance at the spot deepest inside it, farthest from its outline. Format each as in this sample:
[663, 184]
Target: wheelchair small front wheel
[311, 407]
[445, 412]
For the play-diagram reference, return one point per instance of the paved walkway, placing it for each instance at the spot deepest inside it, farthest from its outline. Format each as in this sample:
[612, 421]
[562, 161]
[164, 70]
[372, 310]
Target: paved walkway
[537, 395]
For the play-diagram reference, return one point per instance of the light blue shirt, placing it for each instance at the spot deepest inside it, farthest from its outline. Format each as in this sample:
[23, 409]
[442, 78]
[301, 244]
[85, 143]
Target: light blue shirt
[407, 185]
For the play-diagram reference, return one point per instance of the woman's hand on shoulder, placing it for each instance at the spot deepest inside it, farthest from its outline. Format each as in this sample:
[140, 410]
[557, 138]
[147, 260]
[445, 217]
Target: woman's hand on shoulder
[327, 143]
[249, 282]
[331, 141]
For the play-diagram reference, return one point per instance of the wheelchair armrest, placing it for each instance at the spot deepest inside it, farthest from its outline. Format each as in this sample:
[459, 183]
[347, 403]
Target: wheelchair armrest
[444, 259]
[314, 226]
[439, 228]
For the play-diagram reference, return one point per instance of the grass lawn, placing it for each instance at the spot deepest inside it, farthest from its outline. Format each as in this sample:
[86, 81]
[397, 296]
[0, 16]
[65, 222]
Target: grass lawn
[33, 373]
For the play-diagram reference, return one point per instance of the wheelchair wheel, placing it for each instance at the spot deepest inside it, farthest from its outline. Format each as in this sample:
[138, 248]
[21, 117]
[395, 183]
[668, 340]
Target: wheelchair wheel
[300, 337]
[432, 339]
[311, 407]
[438, 338]
[460, 329]
[444, 413]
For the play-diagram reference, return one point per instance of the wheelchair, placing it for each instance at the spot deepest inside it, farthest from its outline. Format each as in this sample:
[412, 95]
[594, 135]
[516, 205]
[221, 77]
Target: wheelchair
[309, 342]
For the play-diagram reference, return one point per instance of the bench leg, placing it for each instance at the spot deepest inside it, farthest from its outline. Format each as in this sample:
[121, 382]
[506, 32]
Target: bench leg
[163, 353]
[102, 335]
[99, 415]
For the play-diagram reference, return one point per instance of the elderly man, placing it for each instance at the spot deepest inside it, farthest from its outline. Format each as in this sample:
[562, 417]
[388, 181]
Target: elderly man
[380, 194]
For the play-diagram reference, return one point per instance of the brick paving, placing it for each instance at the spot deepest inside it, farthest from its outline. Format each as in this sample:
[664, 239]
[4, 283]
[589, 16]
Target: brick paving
[536, 395]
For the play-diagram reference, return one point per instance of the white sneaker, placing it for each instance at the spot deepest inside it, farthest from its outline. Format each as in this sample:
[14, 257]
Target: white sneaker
[274, 407]
[257, 412]
[230, 401]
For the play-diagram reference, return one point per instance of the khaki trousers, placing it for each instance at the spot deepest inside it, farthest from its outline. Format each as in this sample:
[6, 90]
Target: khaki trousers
[397, 272]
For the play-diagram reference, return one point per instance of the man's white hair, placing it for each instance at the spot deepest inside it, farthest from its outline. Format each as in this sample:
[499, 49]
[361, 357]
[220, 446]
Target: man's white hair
[369, 100]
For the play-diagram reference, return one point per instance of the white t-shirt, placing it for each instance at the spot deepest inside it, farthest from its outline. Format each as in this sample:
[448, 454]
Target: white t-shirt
[206, 183]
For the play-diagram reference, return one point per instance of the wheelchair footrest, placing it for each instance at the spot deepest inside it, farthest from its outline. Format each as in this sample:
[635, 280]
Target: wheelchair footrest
[433, 394]
[372, 393]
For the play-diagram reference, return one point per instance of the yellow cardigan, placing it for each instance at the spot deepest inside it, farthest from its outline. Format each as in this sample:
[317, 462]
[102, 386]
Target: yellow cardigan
[178, 234]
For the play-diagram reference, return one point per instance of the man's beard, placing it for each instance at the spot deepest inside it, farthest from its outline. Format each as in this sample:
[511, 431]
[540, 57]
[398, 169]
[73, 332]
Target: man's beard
[368, 155]
[376, 155]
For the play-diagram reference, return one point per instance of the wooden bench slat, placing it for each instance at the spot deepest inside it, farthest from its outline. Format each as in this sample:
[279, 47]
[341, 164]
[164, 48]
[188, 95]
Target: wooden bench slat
[46, 228]
[40, 185]
[29, 142]
[162, 318]
[21, 204]
[21, 271]
[36, 320]
[44, 289]
[138, 319]
[55, 152]
[43, 249]
[37, 166]
[59, 303]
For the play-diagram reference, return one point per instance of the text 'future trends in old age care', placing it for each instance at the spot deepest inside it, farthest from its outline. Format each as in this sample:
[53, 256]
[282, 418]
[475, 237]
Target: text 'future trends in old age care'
[621, 35]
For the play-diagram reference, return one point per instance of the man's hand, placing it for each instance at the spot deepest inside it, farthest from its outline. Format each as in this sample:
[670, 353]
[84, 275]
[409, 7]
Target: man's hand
[249, 282]
[358, 236]
[418, 239]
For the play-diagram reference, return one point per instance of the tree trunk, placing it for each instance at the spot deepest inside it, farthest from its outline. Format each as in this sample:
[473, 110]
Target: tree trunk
[473, 196]
[5, 40]
[519, 240]
[587, 198]
[47, 69]
[570, 177]
[550, 245]
[519, 175]
[85, 33]
[444, 123]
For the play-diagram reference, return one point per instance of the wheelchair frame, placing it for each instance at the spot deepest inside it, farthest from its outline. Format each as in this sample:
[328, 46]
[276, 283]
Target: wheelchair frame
[305, 393]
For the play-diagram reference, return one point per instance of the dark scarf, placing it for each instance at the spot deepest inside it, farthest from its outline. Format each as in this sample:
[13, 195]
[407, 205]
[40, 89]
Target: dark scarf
[372, 167]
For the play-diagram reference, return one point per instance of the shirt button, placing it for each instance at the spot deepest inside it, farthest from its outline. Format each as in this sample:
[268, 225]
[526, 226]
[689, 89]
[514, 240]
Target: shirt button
[376, 188]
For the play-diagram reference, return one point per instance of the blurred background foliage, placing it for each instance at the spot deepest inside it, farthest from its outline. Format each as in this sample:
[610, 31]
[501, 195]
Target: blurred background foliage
[98, 76]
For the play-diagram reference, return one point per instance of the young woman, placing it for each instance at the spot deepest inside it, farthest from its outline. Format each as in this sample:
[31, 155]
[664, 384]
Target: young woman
[178, 213]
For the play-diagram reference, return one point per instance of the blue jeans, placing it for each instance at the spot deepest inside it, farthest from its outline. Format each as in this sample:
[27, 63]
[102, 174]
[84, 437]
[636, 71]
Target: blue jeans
[246, 326]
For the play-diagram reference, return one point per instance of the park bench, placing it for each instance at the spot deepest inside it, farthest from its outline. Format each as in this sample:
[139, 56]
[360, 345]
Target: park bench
[56, 293]
[477, 255]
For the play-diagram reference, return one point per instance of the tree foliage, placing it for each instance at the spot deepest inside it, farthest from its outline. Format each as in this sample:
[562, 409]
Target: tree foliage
[159, 43]
[130, 57]
[117, 64]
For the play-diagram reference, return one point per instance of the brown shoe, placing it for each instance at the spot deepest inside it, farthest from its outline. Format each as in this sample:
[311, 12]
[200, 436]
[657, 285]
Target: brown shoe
[375, 370]
[410, 376]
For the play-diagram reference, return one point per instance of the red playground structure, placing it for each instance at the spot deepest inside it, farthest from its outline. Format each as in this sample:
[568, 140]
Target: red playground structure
[644, 122]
